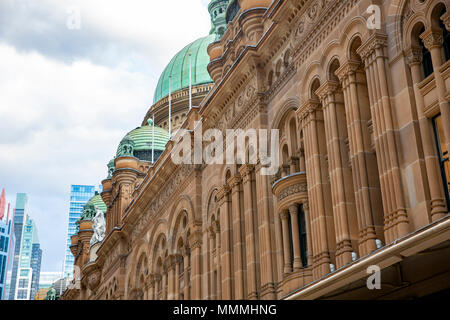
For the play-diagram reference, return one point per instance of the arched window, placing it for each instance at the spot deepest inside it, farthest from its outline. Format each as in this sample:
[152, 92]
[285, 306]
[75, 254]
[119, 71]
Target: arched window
[427, 63]
[446, 35]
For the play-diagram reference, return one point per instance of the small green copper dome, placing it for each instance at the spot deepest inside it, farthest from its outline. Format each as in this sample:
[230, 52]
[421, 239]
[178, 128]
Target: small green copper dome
[178, 68]
[89, 211]
[140, 139]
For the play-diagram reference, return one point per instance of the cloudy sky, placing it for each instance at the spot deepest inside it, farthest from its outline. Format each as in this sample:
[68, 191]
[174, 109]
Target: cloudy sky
[71, 88]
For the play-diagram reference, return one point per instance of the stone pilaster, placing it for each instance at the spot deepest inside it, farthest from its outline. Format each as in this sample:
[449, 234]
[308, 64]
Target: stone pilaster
[226, 245]
[238, 239]
[396, 222]
[250, 227]
[312, 123]
[266, 235]
[342, 190]
[195, 241]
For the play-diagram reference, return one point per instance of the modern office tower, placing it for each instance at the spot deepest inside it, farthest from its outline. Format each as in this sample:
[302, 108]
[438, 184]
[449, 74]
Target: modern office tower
[29, 263]
[6, 251]
[19, 214]
[2, 204]
[79, 196]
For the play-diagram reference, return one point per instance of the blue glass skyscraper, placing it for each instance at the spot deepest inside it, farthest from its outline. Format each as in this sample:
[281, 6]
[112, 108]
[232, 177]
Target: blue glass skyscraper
[79, 196]
[6, 254]
[29, 263]
[19, 214]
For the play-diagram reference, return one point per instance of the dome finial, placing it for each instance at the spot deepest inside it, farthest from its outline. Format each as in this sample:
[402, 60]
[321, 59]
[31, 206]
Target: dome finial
[150, 122]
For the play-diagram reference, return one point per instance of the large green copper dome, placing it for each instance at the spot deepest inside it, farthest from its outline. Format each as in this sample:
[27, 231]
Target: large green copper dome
[141, 141]
[178, 68]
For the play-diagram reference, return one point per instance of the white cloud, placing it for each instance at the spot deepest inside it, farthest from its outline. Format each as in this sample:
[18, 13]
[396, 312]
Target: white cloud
[68, 97]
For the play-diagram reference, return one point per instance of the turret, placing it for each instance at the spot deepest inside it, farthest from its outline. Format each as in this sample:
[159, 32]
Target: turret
[217, 10]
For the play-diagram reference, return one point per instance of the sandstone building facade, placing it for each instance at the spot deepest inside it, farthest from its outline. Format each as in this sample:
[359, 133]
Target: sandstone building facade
[364, 120]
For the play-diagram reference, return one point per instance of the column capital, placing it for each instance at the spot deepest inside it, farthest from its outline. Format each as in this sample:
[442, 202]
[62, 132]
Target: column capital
[348, 68]
[284, 214]
[306, 206]
[246, 172]
[177, 257]
[222, 193]
[234, 183]
[293, 209]
[414, 56]
[195, 240]
[372, 45]
[215, 227]
[309, 107]
[327, 89]
[432, 38]
[170, 262]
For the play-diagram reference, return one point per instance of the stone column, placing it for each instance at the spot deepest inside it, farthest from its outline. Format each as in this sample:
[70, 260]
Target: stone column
[187, 295]
[308, 233]
[250, 239]
[293, 165]
[158, 283]
[238, 239]
[151, 289]
[340, 174]
[319, 193]
[164, 283]
[266, 235]
[171, 278]
[438, 206]
[286, 242]
[212, 252]
[373, 53]
[293, 211]
[433, 40]
[218, 258]
[196, 276]
[177, 276]
[226, 245]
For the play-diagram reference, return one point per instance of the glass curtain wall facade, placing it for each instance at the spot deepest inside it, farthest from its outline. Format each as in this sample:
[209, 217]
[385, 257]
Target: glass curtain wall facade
[79, 196]
[6, 242]
[29, 263]
[19, 214]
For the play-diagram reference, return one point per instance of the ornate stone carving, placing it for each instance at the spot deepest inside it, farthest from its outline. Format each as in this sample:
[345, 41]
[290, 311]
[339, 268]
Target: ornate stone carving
[161, 199]
[414, 56]
[296, 188]
[376, 41]
[432, 38]
[99, 227]
[94, 280]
